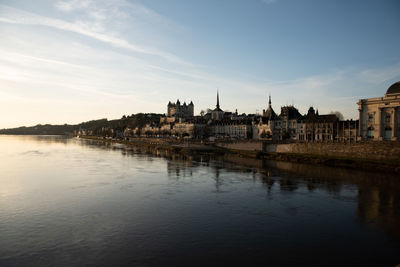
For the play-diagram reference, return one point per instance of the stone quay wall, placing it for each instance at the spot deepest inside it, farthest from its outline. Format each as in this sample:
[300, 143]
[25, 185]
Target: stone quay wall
[369, 150]
[242, 145]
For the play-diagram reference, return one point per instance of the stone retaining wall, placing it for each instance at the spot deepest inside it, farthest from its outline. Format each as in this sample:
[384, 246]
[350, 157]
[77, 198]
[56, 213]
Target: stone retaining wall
[382, 150]
[242, 145]
[385, 150]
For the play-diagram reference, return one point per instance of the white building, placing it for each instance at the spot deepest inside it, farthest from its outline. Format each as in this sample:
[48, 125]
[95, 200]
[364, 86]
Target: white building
[380, 117]
[232, 129]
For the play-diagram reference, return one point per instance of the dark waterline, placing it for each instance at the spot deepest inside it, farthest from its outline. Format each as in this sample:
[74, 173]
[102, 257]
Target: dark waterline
[71, 202]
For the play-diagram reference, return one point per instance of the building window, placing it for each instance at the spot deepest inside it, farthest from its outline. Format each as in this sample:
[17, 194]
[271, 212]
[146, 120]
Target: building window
[388, 133]
[371, 117]
[370, 132]
[387, 118]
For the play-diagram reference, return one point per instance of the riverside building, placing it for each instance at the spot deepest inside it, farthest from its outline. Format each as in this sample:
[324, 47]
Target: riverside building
[380, 117]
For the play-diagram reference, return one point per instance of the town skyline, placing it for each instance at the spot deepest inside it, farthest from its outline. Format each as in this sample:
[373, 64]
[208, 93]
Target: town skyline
[71, 61]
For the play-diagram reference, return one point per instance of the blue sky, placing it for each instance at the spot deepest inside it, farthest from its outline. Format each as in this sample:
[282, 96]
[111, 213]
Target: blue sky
[69, 61]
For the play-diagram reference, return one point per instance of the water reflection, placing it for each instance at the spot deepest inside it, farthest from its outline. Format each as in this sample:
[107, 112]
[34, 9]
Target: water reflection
[142, 206]
[378, 199]
[379, 208]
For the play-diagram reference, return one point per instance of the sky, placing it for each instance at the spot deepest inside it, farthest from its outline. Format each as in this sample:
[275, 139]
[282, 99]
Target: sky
[70, 61]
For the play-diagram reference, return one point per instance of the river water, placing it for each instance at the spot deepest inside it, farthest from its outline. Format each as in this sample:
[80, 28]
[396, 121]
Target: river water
[73, 202]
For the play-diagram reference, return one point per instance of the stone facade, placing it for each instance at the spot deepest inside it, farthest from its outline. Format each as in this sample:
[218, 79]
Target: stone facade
[190, 129]
[319, 128]
[347, 131]
[150, 130]
[380, 117]
[232, 129]
[242, 145]
[363, 150]
[180, 111]
[265, 127]
[385, 150]
[291, 125]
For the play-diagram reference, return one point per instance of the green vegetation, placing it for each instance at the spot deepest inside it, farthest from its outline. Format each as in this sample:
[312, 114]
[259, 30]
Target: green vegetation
[95, 126]
[41, 129]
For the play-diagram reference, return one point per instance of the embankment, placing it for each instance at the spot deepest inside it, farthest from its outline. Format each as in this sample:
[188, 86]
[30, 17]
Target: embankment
[379, 156]
[164, 143]
[383, 156]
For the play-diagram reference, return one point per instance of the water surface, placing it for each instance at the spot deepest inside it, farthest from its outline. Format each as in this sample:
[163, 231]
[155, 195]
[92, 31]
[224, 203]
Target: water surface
[72, 202]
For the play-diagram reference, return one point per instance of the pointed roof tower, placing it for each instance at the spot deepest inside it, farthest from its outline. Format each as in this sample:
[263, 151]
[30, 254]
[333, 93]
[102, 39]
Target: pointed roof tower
[217, 100]
[217, 107]
[270, 113]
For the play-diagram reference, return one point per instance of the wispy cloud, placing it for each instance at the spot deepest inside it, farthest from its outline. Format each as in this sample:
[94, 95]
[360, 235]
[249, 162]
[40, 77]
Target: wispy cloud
[334, 90]
[102, 9]
[380, 76]
[39, 66]
[109, 12]
[73, 5]
[16, 16]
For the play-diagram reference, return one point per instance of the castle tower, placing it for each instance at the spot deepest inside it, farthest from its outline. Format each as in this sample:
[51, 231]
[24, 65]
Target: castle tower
[180, 111]
[191, 109]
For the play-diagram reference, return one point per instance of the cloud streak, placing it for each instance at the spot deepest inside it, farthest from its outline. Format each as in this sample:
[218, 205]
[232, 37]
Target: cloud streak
[16, 16]
[123, 76]
[72, 5]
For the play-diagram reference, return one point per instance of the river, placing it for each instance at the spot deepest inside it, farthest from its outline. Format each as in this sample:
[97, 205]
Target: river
[73, 202]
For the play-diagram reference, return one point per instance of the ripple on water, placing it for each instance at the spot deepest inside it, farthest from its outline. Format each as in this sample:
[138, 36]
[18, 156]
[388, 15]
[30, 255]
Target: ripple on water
[91, 205]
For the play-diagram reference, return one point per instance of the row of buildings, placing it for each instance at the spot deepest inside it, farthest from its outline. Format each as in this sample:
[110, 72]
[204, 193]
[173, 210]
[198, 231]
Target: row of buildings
[378, 120]
[180, 121]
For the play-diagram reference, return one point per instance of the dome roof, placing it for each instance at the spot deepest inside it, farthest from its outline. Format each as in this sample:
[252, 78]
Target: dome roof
[394, 89]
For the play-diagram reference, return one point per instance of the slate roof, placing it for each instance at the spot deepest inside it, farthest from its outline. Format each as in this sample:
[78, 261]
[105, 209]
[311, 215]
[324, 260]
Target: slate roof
[394, 89]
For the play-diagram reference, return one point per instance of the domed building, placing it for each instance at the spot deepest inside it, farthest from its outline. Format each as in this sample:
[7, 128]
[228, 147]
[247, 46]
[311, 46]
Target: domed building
[394, 89]
[380, 116]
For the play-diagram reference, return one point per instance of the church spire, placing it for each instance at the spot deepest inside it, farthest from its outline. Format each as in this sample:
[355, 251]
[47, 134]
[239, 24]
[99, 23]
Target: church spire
[269, 113]
[217, 100]
[269, 101]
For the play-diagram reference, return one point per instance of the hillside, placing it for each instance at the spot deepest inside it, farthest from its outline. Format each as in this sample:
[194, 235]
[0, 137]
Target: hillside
[131, 121]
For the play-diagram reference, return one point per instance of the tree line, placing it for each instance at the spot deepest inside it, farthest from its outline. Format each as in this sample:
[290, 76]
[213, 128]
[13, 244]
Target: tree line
[131, 121]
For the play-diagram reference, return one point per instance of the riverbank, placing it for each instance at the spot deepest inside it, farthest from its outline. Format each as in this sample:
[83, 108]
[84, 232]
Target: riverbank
[378, 165]
[165, 144]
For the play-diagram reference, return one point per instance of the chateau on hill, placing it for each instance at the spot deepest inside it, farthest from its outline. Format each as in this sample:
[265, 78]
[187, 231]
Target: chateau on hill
[180, 111]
